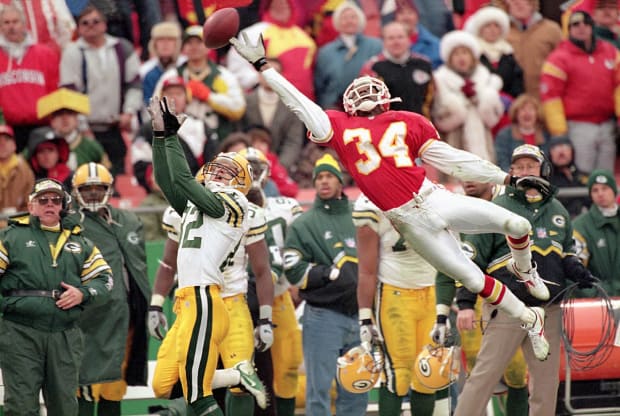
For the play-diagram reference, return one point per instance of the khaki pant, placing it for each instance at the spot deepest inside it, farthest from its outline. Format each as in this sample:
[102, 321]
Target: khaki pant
[502, 336]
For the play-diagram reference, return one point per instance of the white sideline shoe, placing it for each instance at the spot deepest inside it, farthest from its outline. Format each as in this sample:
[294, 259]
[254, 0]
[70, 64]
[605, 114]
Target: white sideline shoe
[534, 284]
[536, 332]
[251, 382]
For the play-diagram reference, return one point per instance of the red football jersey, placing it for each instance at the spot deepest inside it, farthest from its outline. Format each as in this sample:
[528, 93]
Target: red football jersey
[379, 152]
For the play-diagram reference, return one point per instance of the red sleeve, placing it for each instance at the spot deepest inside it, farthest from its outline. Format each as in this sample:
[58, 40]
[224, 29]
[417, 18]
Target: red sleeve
[420, 130]
[553, 77]
[52, 73]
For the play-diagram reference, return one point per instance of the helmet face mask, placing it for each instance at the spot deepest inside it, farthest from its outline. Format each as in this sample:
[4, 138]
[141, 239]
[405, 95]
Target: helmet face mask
[359, 369]
[260, 166]
[437, 367]
[92, 186]
[364, 94]
[228, 170]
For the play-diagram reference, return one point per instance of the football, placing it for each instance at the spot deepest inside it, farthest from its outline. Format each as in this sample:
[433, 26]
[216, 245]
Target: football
[222, 25]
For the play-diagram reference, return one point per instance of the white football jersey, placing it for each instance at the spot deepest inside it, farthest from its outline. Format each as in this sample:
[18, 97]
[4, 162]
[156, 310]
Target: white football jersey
[171, 223]
[205, 243]
[399, 265]
[280, 212]
[236, 266]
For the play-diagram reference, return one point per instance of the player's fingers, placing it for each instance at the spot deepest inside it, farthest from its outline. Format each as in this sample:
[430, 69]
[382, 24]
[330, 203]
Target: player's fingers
[246, 39]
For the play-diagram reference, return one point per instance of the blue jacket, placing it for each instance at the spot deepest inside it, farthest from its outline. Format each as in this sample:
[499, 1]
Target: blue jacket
[335, 69]
[427, 45]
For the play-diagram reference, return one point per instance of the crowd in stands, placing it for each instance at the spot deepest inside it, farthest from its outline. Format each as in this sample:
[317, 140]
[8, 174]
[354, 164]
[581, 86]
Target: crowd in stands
[75, 80]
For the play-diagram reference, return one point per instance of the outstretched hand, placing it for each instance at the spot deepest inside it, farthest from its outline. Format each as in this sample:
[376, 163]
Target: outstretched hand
[157, 120]
[254, 54]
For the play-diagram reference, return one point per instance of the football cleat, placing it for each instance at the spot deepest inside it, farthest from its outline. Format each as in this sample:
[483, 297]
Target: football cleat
[536, 332]
[251, 382]
[533, 282]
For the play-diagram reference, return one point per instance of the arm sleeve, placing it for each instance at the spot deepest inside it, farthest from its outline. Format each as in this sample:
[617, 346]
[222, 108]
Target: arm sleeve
[465, 299]
[461, 164]
[313, 116]
[553, 83]
[445, 289]
[182, 179]
[133, 86]
[163, 179]
[96, 277]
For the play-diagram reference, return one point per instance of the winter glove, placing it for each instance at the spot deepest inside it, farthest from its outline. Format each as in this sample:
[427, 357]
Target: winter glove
[263, 335]
[157, 322]
[536, 182]
[440, 329]
[575, 270]
[468, 88]
[172, 122]
[254, 54]
[199, 90]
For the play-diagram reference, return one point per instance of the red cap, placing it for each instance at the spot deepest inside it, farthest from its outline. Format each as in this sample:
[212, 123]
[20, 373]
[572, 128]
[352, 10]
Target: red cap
[6, 129]
[173, 81]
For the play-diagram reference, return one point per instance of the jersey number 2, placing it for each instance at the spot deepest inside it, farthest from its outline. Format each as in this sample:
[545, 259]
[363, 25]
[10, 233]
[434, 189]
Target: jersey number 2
[392, 144]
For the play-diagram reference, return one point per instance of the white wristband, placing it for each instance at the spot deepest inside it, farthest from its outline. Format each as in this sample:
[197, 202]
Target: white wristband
[264, 312]
[157, 300]
[365, 313]
[441, 309]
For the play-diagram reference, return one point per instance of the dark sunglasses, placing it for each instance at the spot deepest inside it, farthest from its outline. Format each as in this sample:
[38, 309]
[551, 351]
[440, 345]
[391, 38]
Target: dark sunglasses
[56, 200]
[579, 23]
[91, 22]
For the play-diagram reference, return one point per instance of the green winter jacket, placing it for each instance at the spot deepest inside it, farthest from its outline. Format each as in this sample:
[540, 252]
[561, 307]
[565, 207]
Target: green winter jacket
[319, 240]
[106, 326]
[27, 263]
[598, 246]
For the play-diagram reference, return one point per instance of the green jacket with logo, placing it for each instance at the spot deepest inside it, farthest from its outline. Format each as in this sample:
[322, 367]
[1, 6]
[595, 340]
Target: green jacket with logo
[106, 326]
[598, 246]
[318, 240]
[36, 259]
[551, 238]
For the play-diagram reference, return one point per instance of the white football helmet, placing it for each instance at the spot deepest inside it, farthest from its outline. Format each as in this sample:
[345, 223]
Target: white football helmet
[365, 93]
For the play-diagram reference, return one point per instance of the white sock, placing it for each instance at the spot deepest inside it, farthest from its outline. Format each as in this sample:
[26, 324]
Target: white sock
[225, 378]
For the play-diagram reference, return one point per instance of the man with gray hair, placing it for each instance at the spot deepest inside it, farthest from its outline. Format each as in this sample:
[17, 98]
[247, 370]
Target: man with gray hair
[340, 60]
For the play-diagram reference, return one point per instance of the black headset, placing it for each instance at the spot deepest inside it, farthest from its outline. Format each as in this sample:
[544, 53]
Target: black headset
[546, 168]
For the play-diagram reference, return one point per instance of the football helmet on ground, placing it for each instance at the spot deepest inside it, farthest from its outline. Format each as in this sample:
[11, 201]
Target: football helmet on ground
[92, 186]
[364, 94]
[359, 368]
[436, 367]
[229, 170]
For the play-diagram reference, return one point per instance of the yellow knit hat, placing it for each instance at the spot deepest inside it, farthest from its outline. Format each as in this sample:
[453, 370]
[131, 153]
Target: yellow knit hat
[329, 164]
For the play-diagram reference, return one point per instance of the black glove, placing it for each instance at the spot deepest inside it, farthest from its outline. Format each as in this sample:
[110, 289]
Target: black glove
[536, 182]
[575, 270]
[171, 122]
[513, 181]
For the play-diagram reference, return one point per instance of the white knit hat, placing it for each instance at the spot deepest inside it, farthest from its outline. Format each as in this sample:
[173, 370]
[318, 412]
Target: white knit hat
[451, 40]
[349, 5]
[486, 15]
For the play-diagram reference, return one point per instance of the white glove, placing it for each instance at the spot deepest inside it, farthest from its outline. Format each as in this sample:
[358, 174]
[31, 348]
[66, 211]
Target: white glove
[438, 333]
[157, 119]
[263, 335]
[252, 53]
[157, 323]
[369, 333]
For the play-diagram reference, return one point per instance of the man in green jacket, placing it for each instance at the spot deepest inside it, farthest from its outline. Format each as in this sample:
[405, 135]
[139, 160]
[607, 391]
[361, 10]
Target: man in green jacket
[48, 272]
[320, 257]
[116, 337]
[597, 232]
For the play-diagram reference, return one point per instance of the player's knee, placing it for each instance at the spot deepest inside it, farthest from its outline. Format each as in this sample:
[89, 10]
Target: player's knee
[399, 385]
[473, 280]
[518, 226]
